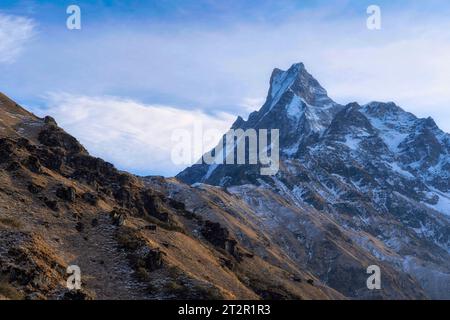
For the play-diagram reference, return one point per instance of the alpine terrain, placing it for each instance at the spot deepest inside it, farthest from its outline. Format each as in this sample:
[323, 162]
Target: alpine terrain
[357, 185]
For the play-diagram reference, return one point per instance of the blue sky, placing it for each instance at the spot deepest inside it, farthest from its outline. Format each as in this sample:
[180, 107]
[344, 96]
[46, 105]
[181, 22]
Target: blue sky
[137, 70]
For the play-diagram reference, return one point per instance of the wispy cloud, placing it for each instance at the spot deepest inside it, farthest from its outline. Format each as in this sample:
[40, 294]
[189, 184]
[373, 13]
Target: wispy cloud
[15, 31]
[134, 136]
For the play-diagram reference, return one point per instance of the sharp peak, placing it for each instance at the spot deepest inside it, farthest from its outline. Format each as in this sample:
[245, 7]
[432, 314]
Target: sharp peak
[299, 81]
[296, 67]
[296, 75]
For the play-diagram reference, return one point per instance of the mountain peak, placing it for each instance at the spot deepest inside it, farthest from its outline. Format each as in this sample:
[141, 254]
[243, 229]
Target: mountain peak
[295, 101]
[298, 81]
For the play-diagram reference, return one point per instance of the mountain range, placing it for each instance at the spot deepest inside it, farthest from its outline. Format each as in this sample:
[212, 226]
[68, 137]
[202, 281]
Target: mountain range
[376, 172]
[357, 185]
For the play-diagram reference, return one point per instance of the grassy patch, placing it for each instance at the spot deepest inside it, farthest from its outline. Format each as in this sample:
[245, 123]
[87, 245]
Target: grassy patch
[10, 222]
[128, 239]
[9, 291]
[164, 225]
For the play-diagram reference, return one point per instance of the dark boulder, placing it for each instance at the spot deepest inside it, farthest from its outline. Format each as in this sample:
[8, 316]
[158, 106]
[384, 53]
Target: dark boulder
[118, 216]
[215, 233]
[35, 188]
[153, 260]
[66, 193]
[79, 226]
[154, 206]
[230, 247]
[50, 121]
[51, 158]
[76, 295]
[7, 149]
[94, 222]
[52, 204]
[33, 164]
[13, 166]
[150, 227]
[52, 136]
[90, 198]
[177, 205]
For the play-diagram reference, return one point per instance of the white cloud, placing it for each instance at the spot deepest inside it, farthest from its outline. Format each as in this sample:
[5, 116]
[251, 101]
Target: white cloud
[14, 33]
[134, 136]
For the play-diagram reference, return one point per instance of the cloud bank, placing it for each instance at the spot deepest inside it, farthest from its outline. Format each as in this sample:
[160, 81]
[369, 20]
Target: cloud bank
[14, 33]
[134, 136]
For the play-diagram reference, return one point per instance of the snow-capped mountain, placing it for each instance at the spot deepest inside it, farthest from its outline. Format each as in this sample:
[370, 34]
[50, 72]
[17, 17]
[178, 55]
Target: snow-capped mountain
[379, 173]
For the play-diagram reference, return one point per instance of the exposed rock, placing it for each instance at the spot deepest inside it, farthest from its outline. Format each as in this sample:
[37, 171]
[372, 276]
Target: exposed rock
[153, 260]
[79, 226]
[66, 193]
[13, 166]
[94, 222]
[77, 295]
[215, 233]
[49, 120]
[90, 198]
[33, 164]
[154, 206]
[118, 216]
[52, 136]
[35, 188]
[150, 227]
[52, 204]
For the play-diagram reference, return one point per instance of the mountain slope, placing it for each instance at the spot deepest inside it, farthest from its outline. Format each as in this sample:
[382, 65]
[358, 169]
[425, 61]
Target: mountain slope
[60, 207]
[377, 172]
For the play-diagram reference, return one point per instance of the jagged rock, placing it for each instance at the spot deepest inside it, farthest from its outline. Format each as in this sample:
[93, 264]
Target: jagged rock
[49, 120]
[150, 227]
[90, 198]
[153, 260]
[52, 159]
[154, 207]
[52, 204]
[79, 226]
[6, 150]
[35, 188]
[94, 222]
[13, 166]
[177, 205]
[215, 233]
[118, 216]
[124, 197]
[77, 295]
[24, 143]
[230, 246]
[52, 136]
[33, 164]
[219, 236]
[66, 193]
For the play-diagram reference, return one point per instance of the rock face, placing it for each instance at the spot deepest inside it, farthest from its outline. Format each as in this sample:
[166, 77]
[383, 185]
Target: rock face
[377, 174]
[61, 207]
